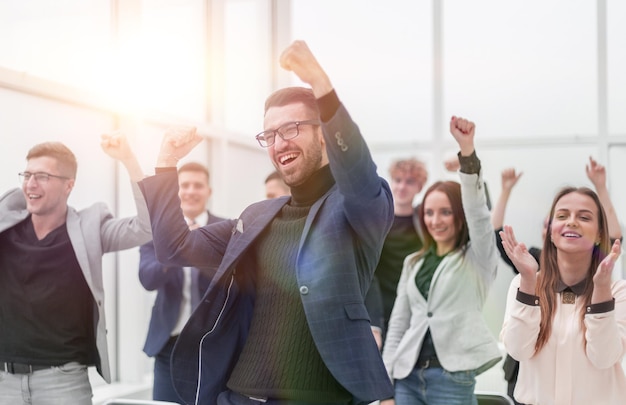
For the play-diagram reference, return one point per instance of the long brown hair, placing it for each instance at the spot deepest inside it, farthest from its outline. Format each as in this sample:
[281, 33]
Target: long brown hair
[548, 276]
[452, 190]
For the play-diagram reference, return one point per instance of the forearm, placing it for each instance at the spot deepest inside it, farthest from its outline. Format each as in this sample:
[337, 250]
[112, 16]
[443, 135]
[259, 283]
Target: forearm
[615, 230]
[497, 213]
[133, 168]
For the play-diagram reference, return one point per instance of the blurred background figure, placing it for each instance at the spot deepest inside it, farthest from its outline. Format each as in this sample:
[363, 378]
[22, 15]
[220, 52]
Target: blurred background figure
[275, 186]
[179, 289]
[407, 178]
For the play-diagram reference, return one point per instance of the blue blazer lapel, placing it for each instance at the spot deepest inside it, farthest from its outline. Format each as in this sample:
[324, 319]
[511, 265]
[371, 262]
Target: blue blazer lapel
[248, 227]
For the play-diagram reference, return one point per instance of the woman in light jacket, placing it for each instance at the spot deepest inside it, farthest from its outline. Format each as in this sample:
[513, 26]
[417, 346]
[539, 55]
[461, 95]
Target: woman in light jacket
[438, 340]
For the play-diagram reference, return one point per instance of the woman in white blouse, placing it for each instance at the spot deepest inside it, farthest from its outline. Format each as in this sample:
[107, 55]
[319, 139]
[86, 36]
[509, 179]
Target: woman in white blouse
[566, 324]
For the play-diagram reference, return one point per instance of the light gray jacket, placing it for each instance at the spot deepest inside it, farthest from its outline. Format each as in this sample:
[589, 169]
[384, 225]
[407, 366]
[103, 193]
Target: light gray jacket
[458, 291]
[93, 231]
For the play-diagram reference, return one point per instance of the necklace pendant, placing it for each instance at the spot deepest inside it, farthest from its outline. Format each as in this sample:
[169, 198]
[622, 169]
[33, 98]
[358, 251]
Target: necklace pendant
[568, 297]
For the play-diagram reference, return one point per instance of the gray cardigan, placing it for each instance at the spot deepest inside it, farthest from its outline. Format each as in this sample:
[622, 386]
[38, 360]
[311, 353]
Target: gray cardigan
[93, 231]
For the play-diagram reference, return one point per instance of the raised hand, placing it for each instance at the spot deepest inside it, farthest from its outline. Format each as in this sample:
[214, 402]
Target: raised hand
[524, 262]
[596, 173]
[452, 164]
[177, 143]
[509, 178]
[463, 131]
[115, 144]
[299, 59]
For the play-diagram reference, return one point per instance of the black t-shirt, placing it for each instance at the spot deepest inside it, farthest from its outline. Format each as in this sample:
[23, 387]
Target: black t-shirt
[46, 307]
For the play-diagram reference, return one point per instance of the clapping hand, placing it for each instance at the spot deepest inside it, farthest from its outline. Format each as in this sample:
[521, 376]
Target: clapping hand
[524, 262]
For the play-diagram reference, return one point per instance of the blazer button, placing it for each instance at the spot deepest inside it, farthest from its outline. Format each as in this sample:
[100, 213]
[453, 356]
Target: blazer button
[304, 290]
[430, 314]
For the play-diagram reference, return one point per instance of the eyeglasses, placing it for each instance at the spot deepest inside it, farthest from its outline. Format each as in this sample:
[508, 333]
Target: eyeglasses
[286, 131]
[40, 177]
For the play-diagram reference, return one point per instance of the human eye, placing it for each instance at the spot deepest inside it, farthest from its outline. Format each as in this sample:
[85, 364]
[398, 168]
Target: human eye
[43, 177]
[26, 175]
[428, 213]
[446, 212]
[268, 136]
[289, 130]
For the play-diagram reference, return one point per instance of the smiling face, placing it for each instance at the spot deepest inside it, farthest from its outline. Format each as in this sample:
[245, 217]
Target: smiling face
[575, 223]
[440, 221]
[194, 192]
[46, 198]
[404, 188]
[298, 158]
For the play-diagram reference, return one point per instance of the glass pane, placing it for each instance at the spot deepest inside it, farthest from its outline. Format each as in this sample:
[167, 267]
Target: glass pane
[62, 40]
[165, 66]
[616, 38]
[379, 58]
[246, 64]
[522, 67]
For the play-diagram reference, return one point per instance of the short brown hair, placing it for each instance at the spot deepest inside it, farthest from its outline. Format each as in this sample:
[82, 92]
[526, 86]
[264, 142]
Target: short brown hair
[293, 95]
[56, 150]
[194, 167]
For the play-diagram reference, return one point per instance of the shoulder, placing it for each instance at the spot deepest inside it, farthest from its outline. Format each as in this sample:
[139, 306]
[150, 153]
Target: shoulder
[95, 210]
[13, 199]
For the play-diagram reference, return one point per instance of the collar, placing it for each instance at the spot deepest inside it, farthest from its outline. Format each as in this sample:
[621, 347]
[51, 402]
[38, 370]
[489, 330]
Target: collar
[577, 289]
[313, 188]
[201, 219]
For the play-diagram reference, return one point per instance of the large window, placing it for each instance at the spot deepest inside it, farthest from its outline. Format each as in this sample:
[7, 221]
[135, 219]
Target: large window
[379, 58]
[522, 68]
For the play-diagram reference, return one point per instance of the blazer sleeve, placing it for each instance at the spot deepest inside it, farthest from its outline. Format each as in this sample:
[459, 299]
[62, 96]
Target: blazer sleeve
[174, 243]
[482, 237]
[124, 233]
[152, 274]
[400, 318]
[367, 200]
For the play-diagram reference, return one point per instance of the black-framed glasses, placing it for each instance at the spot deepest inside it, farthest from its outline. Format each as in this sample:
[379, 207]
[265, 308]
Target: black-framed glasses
[286, 131]
[40, 177]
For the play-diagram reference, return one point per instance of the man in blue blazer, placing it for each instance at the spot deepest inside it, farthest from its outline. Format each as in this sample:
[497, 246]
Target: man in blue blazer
[283, 321]
[178, 288]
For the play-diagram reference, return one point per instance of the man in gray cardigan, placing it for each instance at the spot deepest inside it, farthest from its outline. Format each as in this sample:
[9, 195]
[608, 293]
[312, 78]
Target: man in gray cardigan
[51, 289]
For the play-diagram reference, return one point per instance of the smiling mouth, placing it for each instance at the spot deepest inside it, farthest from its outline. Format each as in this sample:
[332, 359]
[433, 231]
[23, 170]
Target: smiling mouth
[286, 159]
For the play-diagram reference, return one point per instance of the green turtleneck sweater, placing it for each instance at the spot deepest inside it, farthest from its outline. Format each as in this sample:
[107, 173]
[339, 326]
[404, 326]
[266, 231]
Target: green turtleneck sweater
[279, 359]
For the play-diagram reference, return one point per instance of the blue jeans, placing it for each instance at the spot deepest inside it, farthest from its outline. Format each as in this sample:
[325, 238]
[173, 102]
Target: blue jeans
[436, 386]
[64, 385]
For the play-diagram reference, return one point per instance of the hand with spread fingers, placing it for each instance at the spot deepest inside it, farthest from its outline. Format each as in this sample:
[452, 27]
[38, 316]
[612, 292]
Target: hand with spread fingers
[524, 262]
